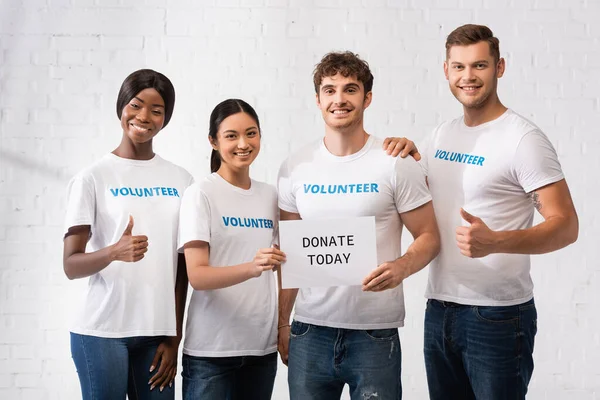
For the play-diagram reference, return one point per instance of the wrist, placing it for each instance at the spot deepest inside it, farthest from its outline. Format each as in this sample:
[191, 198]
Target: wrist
[403, 264]
[112, 254]
[498, 239]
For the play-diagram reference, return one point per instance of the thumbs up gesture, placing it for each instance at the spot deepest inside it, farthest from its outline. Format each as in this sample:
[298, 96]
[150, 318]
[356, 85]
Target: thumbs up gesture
[475, 240]
[129, 248]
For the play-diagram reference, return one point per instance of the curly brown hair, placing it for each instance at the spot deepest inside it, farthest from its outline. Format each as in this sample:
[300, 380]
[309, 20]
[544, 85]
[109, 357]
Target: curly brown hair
[471, 34]
[346, 63]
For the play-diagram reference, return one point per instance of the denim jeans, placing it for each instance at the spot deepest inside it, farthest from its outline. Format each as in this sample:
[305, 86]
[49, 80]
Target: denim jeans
[229, 378]
[474, 352]
[321, 360]
[110, 368]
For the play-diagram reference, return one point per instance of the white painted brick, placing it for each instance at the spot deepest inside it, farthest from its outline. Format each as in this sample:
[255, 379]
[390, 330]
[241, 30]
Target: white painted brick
[72, 57]
[4, 352]
[6, 381]
[33, 394]
[22, 352]
[28, 381]
[64, 117]
[9, 393]
[69, 42]
[20, 366]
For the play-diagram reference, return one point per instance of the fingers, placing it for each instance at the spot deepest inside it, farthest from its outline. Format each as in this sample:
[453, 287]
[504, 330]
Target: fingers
[173, 376]
[462, 231]
[271, 250]
[157, 357]
[401, 144]
[162, 376]
[127, 231]
[378, 283]
[374, 274]
[381, 286]
[386, 143]
[416, 155]
[269, 256]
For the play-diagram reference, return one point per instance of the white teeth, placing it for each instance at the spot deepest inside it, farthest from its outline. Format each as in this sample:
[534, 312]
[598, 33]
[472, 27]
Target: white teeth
[139, 128]
[469, 88]
[243, 154]
[340, 111]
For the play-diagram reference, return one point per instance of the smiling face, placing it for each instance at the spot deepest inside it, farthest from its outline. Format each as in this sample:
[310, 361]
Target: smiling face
[472, 74]
[144, 116]
[238, 141]
[342, 101]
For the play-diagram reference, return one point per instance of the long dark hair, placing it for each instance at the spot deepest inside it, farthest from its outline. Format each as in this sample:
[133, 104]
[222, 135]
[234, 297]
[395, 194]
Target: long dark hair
[147, 79]
[223, 110]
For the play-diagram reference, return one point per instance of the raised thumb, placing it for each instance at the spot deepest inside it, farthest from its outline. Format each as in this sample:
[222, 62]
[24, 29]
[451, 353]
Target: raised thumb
[129, 227]
[467, 217]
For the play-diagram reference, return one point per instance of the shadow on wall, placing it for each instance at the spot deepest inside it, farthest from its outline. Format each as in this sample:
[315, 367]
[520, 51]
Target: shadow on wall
[27, 163]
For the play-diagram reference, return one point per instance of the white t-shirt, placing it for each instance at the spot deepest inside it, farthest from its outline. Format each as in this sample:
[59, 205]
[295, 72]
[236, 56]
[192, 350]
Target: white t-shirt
[128, 299]
[239, 320]
[366, 183]
[488, 170]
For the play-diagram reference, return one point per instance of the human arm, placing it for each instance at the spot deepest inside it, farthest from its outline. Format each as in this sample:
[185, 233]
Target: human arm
[559, 228]
[205, 277]
[404, 147]
[166, 353]
[422, 225]
[79, 264]
[287, 298]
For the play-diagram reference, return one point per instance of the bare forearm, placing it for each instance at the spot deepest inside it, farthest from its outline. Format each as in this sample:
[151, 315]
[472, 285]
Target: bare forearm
[82, 265]
[552, 234]
[209, 278]
[420, 253]
[287, 298]
[181, 288]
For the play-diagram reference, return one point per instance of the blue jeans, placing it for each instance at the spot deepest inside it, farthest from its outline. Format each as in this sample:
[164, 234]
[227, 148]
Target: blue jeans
[229, 378]
[474, 352]
[110, 368]
[321, 360]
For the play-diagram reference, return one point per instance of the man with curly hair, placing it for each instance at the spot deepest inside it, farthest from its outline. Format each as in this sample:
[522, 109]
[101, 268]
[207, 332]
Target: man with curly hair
[349, 334]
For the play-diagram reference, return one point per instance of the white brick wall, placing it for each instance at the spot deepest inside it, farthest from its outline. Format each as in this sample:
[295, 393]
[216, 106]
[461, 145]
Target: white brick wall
[62, 62]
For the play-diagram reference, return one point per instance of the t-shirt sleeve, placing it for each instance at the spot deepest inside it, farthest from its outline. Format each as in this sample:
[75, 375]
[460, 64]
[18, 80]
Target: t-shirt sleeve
[275, 239]
[409, 183]
[424, 149]
[81, 202]
[285, 189]
[536, 163]
[194, 217]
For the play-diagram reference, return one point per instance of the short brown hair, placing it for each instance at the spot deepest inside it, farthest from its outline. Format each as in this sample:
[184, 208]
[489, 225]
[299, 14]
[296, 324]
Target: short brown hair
[471, 34]
[346, 63]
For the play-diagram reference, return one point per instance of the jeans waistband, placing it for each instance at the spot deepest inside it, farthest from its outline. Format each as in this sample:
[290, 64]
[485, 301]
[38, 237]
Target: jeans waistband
[448, 304]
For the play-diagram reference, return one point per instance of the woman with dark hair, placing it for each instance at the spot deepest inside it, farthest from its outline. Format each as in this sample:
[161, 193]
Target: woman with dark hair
[228, 229]
[121, 232]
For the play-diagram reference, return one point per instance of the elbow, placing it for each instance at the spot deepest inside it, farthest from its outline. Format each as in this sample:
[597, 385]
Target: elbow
[197, 283]
[573, 231]
[436, 245]
[69, 272]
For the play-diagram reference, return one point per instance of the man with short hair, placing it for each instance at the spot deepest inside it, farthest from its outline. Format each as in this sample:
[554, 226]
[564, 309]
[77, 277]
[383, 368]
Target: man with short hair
[487, 170]
[349, 335]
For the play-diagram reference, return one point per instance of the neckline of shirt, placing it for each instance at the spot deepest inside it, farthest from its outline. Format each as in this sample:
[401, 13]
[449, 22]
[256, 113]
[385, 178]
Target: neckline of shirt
[245, 192]
[485, 125]
[137, 163]
[350, 157]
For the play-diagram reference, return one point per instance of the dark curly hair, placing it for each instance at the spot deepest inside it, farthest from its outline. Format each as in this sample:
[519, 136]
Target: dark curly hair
[346, 63]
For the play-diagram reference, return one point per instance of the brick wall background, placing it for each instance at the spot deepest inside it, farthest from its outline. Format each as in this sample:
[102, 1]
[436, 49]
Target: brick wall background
[62, 62]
